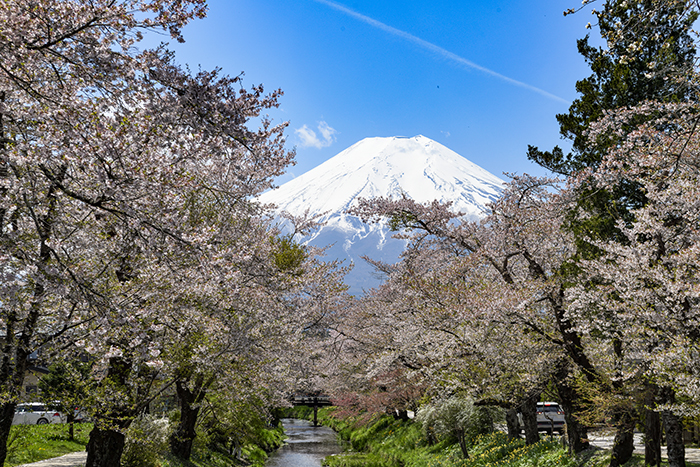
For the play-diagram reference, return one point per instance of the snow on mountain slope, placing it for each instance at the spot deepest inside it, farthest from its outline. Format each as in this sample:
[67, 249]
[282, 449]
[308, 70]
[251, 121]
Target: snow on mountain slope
[420, 167]
[417, 167]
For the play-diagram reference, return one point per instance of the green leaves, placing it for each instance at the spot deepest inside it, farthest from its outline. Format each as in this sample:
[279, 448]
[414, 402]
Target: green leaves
[289, 256]
[402, 220]
[649, 48]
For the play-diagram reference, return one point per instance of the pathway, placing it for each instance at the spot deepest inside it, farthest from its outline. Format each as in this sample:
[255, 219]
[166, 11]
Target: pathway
[605, 441]
[74, 459]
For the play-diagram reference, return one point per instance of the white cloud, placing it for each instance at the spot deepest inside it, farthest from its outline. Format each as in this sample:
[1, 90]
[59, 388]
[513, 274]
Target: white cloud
[309, 138]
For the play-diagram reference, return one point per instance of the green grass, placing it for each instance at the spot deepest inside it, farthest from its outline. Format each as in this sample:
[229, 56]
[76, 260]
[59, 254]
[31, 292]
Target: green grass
[391, 443]
[209, 459]
[32, 443]
[601, 458]
[385, 442]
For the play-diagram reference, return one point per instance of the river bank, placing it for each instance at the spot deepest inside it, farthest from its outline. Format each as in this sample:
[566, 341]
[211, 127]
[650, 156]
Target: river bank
[383, 441]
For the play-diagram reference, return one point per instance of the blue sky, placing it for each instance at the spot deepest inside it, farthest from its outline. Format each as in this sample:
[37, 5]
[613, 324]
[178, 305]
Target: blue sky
[485, 78]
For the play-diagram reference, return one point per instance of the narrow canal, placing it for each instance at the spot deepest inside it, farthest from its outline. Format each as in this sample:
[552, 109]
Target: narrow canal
[306, 445]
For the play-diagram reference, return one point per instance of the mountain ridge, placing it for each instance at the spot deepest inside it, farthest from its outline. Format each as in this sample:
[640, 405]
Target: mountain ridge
[416, 167]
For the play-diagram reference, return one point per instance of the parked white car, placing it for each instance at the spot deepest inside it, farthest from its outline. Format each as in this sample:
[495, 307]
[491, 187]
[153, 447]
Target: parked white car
[36, 413]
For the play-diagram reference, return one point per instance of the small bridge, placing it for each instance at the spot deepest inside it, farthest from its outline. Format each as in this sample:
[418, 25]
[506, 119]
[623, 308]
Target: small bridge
[311, 400]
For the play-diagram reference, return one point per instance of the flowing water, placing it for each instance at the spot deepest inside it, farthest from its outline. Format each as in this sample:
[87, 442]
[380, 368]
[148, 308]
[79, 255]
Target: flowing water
[306, 445]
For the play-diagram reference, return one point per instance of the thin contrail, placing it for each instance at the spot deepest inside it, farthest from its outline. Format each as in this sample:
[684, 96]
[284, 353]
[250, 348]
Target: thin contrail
[436, 49]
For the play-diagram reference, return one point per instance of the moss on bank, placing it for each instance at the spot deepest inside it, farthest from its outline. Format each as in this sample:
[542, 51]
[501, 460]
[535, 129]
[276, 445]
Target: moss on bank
[383, 441]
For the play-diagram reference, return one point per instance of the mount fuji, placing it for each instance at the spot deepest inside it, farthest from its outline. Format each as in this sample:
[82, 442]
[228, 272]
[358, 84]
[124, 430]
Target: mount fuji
[417, 167]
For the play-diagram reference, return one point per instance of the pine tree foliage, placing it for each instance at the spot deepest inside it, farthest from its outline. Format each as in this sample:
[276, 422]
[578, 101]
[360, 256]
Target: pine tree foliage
[650, 50]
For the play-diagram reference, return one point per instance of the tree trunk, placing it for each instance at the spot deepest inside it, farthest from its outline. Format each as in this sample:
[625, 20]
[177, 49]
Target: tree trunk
[70, 420]
[7, 412]
[104, 448]
[463, 445]
[576, 433]
[106, 443]
[623, 445]
[674, 439]
[529, 412]
[652, 438]
[14, 366]
[652, 428]
[513, 424]
[182, 439]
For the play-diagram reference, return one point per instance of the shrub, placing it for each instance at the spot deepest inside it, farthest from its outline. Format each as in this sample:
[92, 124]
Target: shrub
[456, 419]
[146, 442]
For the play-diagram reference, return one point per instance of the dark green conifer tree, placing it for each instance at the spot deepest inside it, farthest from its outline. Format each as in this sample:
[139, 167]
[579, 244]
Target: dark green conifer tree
[649, 57]
[651, 51]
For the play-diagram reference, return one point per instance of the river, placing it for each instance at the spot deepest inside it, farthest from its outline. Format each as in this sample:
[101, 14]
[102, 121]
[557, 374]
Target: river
[306, 445]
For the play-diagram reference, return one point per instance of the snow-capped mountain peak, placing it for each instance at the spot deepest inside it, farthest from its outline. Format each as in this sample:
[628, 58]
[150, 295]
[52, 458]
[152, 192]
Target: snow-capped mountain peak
[416, 167]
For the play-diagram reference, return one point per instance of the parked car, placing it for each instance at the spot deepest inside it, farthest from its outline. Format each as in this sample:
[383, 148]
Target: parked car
[80, 416]
[550, 417]
[36, 413]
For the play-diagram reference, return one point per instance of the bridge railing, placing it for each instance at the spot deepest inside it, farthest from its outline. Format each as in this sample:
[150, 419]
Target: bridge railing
[311, 400]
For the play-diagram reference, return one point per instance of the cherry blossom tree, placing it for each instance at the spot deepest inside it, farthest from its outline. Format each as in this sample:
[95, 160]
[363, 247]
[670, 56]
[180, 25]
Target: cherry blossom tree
[258, 327]
[649, 53]
[522, 248]
[444, 325]
[126, 188]
[649, 280]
